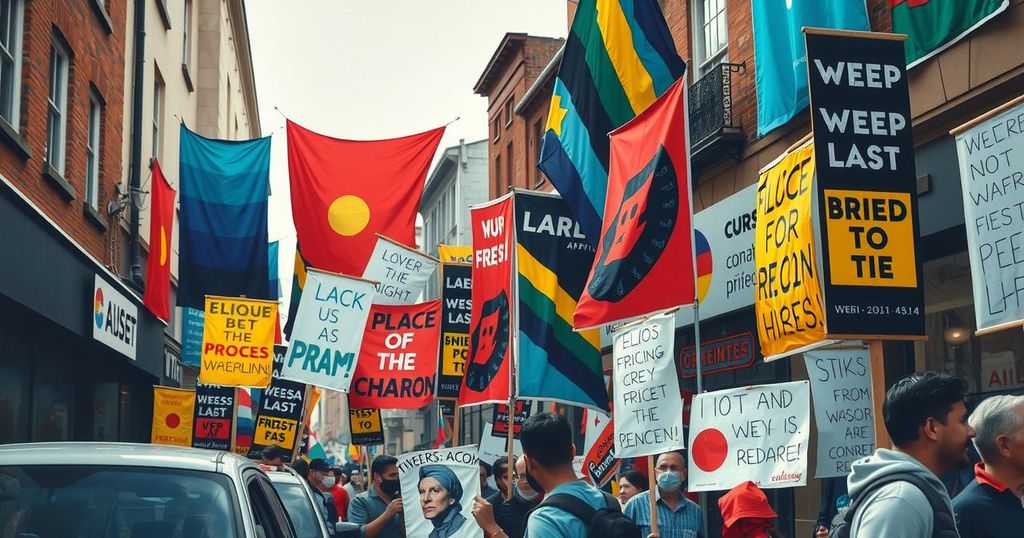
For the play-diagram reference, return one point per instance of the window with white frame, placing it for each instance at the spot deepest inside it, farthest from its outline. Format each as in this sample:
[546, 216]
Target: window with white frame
[158, 114]
[10, 60]
[57, 103]
[710, 36]
[186, 30]
[92, 152]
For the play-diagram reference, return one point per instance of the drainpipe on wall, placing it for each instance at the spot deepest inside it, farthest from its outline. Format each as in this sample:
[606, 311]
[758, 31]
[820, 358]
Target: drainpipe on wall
[135, 173]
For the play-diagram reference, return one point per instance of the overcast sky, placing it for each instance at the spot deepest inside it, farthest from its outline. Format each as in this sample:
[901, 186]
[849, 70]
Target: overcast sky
[368, 69]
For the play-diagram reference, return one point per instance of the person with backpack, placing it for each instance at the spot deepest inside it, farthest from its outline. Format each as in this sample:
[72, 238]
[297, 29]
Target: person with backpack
[677, 515]
[571, 508]
[897, 492]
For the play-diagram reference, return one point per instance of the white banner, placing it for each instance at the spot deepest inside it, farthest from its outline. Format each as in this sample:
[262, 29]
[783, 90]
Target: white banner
[991, 156]
[401, 272]
[648, 409]
[492, 448]
[841, 386]
[328, 331]
[438, 488]
[750, 433]
[596, 422]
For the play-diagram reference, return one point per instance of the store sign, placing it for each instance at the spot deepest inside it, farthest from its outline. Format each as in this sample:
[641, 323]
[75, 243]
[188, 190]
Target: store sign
[115, 319]
[719, 355]
[866, 184]
[1001, 371]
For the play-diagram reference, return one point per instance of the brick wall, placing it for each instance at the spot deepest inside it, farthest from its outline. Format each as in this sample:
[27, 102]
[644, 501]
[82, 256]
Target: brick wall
[97, 61]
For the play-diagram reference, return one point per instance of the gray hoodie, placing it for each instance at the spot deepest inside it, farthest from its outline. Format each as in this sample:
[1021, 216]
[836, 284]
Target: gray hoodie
[898, 509]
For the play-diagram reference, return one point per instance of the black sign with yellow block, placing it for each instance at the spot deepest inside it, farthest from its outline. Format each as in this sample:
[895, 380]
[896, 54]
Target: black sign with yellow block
[280, 411]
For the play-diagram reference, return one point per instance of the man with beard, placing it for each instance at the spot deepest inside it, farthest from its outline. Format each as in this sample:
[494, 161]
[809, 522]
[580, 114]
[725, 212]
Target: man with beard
[894, 491]
[499, 517]
[378, 510]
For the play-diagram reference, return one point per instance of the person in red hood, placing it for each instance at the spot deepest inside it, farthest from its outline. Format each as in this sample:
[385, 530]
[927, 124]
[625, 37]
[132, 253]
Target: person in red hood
[746, 513]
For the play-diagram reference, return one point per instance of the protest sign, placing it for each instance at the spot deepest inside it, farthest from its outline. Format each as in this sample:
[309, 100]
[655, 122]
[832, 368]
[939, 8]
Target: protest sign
[238, 342]
[214, 417]
[991, 154]
[648, 410]
[841, 387]
[456, 283]
[328, 330]
[500, 418]
[750, 433]
[447, 408]
[493, 447]
[600, 461]
[397, 362]
[790, 313]
[438, 488]
[279, 413]
[455, 254]
[866, 184]
[191, 336]
[401, 273]
[172, 416]
[366, 427]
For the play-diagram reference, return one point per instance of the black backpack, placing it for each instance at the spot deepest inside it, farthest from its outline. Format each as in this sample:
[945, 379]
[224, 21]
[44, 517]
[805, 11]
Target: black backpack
[943, 524]
[608, 522]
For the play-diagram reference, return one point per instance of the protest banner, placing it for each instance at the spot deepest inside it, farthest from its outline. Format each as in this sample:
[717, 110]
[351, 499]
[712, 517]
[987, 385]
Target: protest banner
[172, 416]
[790, 312]
[866, 184]
[991, 154]
[280, 411]
[213, 422]
[397, 362]
[438, 489]
[328, 330]
[841, 388]
[456, 283]
[366, 426]
[238, 342]
[648, 410]
[191, 336]
[401, 273]
[754, 433]
[455, 254]
[487, 377]
[500, 418]
[600, 462]
[493, 447]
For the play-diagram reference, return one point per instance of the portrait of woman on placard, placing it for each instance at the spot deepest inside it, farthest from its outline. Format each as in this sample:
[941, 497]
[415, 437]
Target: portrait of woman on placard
[440, 497]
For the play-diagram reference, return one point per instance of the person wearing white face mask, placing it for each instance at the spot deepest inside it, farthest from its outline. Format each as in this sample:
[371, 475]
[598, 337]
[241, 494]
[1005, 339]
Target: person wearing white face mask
[499, 517]
[677, 515]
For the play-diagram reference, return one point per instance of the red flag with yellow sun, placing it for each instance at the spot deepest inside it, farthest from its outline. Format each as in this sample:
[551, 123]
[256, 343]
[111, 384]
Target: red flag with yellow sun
[346, 191]
[158, 267]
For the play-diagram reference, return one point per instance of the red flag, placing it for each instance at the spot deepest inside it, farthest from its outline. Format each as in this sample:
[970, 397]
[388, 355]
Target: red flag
[158, 267]
[486, 378]
[398, 358]
[345, 191]
[644, 260]
[442, 436]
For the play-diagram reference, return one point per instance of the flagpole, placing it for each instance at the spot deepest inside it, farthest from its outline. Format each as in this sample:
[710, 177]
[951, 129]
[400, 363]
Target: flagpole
[696, 343]
[513, 384]
[455, 425]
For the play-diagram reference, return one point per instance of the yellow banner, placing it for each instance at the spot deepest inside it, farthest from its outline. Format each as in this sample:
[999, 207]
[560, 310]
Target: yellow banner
[238, 342]
[365, 421]
[787, 297]
[172, 416]
[455, 254]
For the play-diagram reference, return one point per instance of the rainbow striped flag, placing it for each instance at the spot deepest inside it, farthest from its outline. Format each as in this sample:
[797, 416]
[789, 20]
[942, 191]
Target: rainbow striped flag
[554, 259]
[619, 57]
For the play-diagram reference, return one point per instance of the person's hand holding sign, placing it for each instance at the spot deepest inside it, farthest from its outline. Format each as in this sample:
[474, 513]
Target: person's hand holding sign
[483, 512]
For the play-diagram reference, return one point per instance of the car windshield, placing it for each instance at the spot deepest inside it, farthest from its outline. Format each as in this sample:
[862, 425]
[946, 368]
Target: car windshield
[58, 501]
[300, 509]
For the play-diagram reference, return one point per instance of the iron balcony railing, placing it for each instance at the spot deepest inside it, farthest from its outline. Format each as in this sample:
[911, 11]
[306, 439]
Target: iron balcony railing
[710, 109]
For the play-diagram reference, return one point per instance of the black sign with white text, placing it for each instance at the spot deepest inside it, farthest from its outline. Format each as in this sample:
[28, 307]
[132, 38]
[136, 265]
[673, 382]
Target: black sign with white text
[213, 418]
[280, 411]
[456, 279]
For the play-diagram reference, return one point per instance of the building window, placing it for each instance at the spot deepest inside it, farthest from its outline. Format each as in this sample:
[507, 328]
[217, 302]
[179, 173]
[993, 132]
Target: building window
[496, 125]
[158, 114]
[497, 176]
[508, 165]
[538, 143]
[186, 44]
[92, 151]
[10, 60]
[508, 113]
[711, 38]
[56, 123]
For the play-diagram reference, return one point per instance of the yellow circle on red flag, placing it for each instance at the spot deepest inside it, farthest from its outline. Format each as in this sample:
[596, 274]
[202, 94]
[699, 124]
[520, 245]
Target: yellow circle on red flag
[163, 246]
[348, 215]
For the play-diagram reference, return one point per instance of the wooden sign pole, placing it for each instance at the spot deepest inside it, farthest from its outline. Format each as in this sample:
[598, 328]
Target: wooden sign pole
[652, 490]
[511, 457]
[877, 359]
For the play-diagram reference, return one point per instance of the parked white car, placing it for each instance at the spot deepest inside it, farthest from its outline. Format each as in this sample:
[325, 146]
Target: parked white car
[305, 510]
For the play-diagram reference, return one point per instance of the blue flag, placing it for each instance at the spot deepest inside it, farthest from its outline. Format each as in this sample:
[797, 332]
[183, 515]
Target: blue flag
[223, 232]
[275, 280]
[780, 57]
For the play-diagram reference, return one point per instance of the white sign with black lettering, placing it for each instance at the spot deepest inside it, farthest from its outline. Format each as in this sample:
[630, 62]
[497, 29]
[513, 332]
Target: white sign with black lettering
[115, 319]
[841, 386]
[401, 273]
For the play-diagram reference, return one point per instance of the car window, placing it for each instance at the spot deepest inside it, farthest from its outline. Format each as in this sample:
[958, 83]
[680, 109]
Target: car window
[268, 513]
[56, 501]
[300, 509]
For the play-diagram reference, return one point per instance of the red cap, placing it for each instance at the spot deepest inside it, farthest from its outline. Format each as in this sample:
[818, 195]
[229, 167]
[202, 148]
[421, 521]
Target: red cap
[744, 501]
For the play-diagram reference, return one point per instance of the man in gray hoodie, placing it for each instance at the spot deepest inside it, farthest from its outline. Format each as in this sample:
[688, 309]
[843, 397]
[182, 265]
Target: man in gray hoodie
[927, 421]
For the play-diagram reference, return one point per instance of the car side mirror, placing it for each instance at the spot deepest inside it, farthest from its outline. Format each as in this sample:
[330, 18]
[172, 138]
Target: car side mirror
[346, 530]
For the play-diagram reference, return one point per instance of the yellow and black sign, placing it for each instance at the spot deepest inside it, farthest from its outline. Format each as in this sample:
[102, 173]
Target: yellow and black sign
[456, 281]
[871, 238]
[365, 425]
[275, 431]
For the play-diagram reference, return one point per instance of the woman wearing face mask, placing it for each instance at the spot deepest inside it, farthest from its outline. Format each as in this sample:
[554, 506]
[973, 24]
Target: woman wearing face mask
[440, 495]
[630, 484]
[501, 517]
[746, 513]
[677, 515]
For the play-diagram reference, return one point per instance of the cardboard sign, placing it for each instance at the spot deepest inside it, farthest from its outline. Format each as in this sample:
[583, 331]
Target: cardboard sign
[456, 303]
[841, 386]
[493, 447]
[172, 416]
[750, 433]
[648, 411]
[455, 254]
[790, 313]
[866, 184]
[500, 418]
[397, 365]
[600, 462]
[279, 413]
[438, 488]
[401, 273]
[214, 417]
[366, 426]
[991, 155]
[328, 330]
[718, 355]
[238, 342]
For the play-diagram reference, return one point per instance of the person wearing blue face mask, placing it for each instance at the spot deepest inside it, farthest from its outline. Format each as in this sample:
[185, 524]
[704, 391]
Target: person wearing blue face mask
[677, 515]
